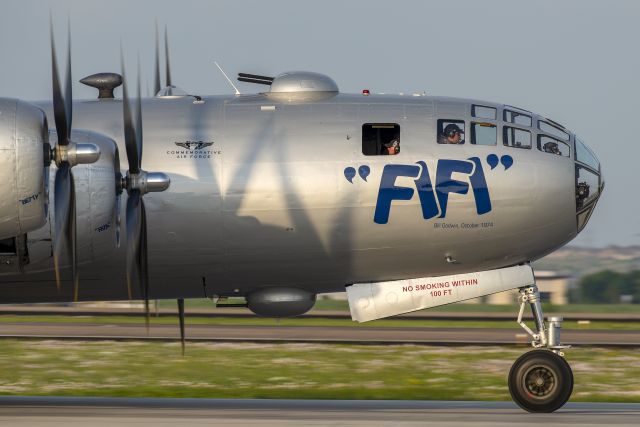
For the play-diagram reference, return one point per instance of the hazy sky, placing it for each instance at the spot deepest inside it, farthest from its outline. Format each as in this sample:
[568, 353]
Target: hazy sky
[577, 62]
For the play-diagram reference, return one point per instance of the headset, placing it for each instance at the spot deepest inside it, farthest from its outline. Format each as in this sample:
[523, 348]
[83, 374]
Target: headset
[451, 129]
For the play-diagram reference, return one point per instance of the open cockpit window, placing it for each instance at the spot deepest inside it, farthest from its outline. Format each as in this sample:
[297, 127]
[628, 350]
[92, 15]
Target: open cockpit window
[517, 138]
[451, 131]
[553, 146]
[517, 118]
[380, 139]
[483, 133]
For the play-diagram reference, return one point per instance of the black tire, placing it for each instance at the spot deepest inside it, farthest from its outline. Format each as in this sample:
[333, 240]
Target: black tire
[540, 381]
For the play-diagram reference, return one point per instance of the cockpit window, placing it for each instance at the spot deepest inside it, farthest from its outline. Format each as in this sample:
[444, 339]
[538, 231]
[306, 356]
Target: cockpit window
[584, 155]
[483, 133]
[517, 118]
[553, 130]
[587, 187]
[517, 138]
[482, 112]
[553, 146]
[380, 139]
[451, 131]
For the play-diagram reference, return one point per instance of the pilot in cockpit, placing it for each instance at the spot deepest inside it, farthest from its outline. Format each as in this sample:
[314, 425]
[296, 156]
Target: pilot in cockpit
[552, 147]
[452, 134]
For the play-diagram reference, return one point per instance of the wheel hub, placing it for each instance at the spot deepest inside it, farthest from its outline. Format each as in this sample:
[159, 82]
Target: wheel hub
[540, 381]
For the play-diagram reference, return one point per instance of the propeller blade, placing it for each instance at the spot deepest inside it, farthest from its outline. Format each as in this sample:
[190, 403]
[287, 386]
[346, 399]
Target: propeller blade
[68, 97]
[130, 133]
[139, 119]
[166, 53]
[59, 105]
[144, 266]
[73, 239]
[156, 78]
[62, 244]
[133, 230]
[118, 183]
[118, 220]
[181, 317]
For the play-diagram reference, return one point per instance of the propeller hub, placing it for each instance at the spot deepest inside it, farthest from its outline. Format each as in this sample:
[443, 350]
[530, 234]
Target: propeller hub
[147, 182]
[75, 154]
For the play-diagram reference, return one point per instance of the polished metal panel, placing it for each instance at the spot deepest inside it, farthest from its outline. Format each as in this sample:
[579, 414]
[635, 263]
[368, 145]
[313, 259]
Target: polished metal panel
[86, 153]
[280, 302]
[303, 81]
[302, 86]
[96, 202]
[260, 197]
[23, 133]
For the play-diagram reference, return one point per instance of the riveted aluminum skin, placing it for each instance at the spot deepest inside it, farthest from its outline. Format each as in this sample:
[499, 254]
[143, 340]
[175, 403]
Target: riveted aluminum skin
[259, 197]
[96, 201]
[22, 197]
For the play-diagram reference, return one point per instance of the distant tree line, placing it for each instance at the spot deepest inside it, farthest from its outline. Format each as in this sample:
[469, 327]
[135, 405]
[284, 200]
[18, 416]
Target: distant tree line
[608, 287]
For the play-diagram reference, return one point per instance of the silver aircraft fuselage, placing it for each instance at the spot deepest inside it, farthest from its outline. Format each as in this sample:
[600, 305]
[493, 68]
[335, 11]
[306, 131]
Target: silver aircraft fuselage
[284, 196]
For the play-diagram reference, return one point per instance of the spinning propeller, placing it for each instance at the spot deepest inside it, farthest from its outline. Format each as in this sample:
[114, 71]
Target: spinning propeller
[66, 154]
[169, 91]
[137, 182]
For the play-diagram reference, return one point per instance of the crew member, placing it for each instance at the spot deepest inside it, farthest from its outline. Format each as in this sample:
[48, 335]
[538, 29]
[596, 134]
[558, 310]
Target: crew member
[392, 147]
[451, 134]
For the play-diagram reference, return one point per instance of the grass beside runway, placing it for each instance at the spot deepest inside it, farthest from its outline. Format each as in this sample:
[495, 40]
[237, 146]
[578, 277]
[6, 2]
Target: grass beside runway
[319, 371]
[309, 321]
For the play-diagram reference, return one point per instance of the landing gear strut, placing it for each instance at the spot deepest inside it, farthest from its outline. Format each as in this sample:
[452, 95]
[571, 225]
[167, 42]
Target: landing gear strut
[540, 380]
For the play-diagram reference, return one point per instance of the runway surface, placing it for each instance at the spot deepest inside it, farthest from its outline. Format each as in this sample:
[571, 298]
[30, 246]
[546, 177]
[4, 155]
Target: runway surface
[60, 411]
[355, 334]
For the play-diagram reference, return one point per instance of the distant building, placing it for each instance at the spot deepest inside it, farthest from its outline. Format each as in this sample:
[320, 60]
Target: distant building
[554, 289]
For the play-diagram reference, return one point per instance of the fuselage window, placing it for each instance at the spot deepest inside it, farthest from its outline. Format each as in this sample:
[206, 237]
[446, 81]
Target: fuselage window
[517, 138]
[483, 134]
[451, 131]
[517, 118]
[553, 146]
[482, 112]
[553, 130]
[380, 139]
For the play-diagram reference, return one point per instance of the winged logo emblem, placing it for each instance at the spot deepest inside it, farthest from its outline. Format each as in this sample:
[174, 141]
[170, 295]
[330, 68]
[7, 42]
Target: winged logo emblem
[194, 145]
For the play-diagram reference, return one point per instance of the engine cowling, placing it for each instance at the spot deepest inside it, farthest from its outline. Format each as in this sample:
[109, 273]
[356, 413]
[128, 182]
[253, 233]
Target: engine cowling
[23, 134]
[96, 196]
[96, 207]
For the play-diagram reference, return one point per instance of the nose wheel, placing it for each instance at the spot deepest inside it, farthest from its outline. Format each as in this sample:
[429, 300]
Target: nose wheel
[540, 380]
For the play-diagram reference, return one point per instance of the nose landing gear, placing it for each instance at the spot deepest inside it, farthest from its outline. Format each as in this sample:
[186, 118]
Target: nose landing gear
[540, 380]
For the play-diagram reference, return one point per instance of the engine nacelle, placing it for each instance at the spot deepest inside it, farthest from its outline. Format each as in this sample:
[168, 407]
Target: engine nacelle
[96, 209]
[280, 302]
[23, 133]
[95, 186]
